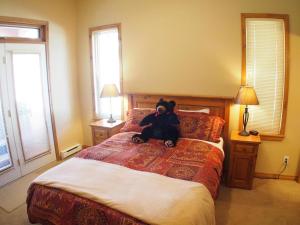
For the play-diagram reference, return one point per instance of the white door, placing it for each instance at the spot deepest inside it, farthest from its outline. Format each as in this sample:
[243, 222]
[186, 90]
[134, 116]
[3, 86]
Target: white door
[27, 112]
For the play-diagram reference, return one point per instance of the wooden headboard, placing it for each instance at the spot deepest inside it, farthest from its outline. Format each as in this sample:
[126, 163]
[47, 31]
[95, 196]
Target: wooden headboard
[219, 106]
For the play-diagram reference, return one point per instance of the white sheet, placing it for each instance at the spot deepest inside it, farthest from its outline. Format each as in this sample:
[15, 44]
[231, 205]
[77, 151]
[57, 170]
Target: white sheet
[152, 198]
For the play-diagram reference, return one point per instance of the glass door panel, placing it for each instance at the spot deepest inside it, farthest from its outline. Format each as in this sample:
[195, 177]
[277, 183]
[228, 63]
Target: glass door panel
[5, 159]
[28, 87]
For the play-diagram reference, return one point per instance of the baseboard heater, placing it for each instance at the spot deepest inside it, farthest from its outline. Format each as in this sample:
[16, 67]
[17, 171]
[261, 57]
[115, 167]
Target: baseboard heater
[70, 151]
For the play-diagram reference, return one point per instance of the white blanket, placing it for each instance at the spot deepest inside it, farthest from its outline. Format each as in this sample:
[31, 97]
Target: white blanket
[152, 198]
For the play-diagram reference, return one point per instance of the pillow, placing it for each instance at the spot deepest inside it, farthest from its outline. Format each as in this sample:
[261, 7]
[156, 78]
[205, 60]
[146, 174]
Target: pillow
[200, 126]
[206, 110]
[135, 116]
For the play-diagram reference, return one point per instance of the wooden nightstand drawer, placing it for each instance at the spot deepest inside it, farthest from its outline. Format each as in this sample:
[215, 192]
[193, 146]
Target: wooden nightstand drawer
[98, 141]
[100, 134]
[242, 148]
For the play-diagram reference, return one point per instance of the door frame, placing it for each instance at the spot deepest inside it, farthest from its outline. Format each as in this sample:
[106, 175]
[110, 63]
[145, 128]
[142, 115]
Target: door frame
[42, 158]
[43, 27]
[14, 171]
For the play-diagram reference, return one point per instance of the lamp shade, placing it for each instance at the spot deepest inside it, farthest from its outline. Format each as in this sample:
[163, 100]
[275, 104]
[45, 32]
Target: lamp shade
[246, 96]
[109, 90]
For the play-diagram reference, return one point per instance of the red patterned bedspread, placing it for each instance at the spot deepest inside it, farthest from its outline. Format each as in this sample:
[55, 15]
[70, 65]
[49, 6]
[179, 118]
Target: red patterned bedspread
[189, 160]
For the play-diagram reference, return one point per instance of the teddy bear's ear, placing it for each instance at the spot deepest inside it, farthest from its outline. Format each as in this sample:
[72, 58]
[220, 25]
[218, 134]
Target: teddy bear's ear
[172, 104]
[161, 100]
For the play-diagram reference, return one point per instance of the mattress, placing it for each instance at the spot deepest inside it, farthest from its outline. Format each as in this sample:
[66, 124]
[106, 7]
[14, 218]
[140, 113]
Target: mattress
[191, 160]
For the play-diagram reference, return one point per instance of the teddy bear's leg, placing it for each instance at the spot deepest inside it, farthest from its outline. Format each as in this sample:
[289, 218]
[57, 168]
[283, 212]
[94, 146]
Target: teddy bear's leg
[169, 143]
[146, 133]
[171, 137]
[143, 137]
[137, 139]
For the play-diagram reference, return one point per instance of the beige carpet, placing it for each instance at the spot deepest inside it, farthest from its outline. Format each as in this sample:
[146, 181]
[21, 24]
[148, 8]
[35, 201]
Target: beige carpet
[13, 195]
[271, 202]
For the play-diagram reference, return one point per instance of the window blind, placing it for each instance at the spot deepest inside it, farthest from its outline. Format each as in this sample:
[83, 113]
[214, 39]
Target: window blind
[265, 71]
[106, 69]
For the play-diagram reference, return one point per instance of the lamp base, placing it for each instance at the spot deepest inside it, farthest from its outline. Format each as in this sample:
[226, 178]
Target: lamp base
[111, 119]
[244, 133]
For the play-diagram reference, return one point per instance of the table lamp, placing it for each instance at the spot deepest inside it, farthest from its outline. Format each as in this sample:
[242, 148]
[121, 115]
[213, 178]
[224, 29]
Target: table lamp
[110, 90]
[246, 96]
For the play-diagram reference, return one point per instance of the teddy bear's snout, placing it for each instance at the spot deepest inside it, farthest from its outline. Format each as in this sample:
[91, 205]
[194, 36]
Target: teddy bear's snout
[161, 109]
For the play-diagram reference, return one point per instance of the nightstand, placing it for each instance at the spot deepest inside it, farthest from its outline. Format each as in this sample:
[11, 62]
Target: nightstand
[102, 130]
[243, 153]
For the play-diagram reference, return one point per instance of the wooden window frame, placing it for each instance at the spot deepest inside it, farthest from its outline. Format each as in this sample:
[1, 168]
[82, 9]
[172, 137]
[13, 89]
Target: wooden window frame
[98, 28]
[43, 27]
[285, 18]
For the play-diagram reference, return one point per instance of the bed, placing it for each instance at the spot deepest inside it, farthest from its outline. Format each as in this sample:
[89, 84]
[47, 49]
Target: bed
[191, 162]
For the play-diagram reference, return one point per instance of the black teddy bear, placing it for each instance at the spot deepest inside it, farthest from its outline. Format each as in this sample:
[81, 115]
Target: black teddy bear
[163, 124]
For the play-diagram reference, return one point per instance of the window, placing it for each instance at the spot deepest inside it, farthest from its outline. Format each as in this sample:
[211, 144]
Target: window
[21, 30]
[106, 66]
[265, 67]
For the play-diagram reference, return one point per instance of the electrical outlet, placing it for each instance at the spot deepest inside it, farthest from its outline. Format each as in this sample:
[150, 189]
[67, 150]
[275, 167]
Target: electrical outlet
[286, 159]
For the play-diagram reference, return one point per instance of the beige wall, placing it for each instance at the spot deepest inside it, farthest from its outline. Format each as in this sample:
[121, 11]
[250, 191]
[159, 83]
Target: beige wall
[189, 47]
[61, 15]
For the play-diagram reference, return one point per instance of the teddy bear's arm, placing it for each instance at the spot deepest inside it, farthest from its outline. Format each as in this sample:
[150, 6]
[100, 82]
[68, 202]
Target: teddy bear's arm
[173, 119]
[147, 120]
